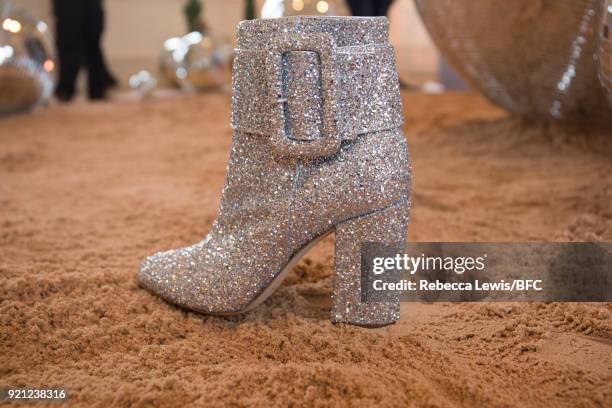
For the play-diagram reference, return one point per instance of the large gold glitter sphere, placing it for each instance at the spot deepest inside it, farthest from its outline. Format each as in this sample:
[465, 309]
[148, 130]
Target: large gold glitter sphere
[536, 58]
[605, 51]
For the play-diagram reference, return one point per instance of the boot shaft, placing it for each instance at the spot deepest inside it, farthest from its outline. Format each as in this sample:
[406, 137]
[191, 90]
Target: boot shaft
[316, 117]
[345, 31]
[310, 83]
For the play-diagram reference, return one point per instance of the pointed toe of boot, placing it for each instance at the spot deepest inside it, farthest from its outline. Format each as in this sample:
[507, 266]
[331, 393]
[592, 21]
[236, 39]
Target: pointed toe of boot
[151, 274]
[178, 277]
[158, 274]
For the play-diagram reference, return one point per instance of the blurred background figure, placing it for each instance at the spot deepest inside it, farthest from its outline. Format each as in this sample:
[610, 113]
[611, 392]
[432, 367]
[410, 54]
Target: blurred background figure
[369, 7]
[135, 31]
[79, 27]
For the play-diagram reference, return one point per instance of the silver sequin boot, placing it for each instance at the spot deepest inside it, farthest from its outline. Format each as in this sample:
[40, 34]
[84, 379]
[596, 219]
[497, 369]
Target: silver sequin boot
[317, 148]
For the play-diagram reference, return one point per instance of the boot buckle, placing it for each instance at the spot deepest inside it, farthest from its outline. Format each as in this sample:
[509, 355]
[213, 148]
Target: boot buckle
[329, 141]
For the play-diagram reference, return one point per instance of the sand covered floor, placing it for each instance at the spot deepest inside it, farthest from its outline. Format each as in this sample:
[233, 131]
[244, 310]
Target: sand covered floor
[86, 191]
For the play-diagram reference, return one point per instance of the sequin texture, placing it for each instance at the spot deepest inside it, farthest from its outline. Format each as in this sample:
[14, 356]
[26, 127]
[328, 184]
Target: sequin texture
[316, 148]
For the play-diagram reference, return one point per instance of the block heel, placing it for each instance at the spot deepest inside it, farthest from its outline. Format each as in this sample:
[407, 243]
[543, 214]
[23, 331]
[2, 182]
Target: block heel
[385, 226]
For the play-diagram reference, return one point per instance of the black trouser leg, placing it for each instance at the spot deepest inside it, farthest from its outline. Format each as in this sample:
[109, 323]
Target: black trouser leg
[361, 7]
[381, 7]
[109, 79]
[69, 47]
[369, 7]
[96, 72]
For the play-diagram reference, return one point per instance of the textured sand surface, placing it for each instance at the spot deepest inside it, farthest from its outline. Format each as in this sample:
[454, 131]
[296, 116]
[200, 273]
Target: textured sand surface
[86, 191]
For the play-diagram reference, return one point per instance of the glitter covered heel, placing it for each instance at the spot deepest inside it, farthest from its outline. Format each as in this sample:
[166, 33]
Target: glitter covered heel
[384, 226]
[316, 146]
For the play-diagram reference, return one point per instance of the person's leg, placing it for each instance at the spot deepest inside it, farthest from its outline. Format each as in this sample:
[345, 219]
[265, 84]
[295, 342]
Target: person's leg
[381, 7]
[69, 46]
[361, 7]
[97, 79]
[109, 78]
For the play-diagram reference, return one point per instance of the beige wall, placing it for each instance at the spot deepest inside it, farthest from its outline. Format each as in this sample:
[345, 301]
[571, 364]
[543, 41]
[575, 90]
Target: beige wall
[137, 28]
[417, 56]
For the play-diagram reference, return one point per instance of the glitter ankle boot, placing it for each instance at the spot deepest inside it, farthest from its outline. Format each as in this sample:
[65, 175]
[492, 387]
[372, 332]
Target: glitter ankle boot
[317, 148]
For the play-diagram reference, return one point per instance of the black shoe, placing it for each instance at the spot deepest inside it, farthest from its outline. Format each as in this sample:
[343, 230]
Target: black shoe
[63, 95]
[97, 95]
[110, 82]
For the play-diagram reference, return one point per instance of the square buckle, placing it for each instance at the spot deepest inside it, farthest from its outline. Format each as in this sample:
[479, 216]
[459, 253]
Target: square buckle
[329, 142]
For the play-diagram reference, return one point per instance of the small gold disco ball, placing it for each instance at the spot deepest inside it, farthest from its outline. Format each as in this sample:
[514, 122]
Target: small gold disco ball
[27, 67]
[535, 58]
[196, 62]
